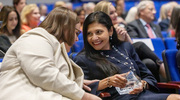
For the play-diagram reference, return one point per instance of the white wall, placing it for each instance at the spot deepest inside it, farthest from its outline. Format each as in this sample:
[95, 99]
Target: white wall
[9, 2]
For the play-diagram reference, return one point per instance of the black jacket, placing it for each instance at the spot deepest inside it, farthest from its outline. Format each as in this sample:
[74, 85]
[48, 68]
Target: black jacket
[4, 45]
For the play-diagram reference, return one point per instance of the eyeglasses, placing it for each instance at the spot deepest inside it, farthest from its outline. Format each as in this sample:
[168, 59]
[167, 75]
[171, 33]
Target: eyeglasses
[78, 31]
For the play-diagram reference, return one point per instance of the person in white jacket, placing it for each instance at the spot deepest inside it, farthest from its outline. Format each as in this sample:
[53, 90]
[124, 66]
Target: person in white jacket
[37, 67]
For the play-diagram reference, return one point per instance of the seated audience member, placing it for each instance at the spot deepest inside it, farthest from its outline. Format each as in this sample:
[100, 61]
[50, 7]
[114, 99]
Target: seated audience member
[132, 15]
[81, 15]
[43, 12]
[11, 23]
[19, 5]
[30, 17]
[69, 5]
[175, 21]
[165, 22]
[144, 26]
[60, 4]
[120, 8]
[109, 60]
[89, 8]
[171, 29]
[43, 71]
[1, 5]
[121, 13]
[149, 58]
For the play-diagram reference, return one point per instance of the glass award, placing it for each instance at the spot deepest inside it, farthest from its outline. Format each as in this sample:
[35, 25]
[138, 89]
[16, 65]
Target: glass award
[133, 81]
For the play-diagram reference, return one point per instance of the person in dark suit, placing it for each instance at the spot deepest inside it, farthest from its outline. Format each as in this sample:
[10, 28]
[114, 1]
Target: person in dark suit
[109, 60]
[144, 27]
[164, 24]
[165, 16]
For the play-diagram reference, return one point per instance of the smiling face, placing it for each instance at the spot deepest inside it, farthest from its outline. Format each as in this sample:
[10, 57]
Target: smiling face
[113, 14]
[98, 36]
[34, 17]
[12, 21]
[148, 13]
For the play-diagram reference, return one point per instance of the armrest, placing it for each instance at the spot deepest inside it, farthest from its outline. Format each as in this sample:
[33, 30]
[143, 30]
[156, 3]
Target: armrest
[168, 85]
[175, 82]
[104, 94]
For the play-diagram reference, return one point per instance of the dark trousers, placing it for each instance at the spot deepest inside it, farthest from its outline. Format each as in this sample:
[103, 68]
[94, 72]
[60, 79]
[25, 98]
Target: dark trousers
[148, 57]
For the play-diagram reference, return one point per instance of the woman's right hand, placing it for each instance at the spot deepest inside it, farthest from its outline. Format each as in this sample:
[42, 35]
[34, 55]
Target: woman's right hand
[118, 80]
[88, 96]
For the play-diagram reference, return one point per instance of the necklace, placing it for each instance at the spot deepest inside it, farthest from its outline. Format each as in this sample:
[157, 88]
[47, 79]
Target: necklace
[128, 64]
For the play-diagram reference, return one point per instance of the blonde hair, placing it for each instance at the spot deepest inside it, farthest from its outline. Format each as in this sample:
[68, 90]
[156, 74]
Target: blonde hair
[165, 8]
[132, 15]
[61, 23]
[28, 9]
[103, 6]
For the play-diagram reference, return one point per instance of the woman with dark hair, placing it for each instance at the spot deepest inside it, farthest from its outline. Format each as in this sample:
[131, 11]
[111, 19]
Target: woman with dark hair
[11, 23]
[19, 5]
[148, 57]
[37, 67]
[111, 61]
[175, 21]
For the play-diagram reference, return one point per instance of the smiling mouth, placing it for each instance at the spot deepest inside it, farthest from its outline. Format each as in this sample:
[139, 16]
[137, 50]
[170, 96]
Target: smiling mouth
[97, 43]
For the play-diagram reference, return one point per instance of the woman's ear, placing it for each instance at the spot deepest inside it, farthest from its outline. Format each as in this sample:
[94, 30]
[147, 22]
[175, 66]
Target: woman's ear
[111, 31]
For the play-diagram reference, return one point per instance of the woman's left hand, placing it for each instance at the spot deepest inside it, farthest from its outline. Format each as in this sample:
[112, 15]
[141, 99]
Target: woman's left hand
[138, 90]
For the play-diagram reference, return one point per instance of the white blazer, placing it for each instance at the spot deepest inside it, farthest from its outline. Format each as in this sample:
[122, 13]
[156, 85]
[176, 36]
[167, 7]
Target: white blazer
[37, 67]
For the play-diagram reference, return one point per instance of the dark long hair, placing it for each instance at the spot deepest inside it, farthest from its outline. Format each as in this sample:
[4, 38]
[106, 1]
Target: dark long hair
[102, 18]
[4, 18]
[175, 21]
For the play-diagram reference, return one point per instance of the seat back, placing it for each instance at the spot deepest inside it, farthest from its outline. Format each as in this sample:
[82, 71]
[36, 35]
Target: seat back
[164, 34]
[170, 43]
[158, 46]
[78, 46]
[169, 58]
[80, 36]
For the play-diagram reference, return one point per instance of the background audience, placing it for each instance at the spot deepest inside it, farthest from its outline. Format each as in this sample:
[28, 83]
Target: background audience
[43, 12]
[19, 5]
[30, 17]
[81, 15]
[165, 15]
[11, 23]
[131, 15]
[144, 26]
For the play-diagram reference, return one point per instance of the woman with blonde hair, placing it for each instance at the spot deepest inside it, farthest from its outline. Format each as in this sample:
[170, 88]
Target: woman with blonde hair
[43, 71]
[30, 17]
